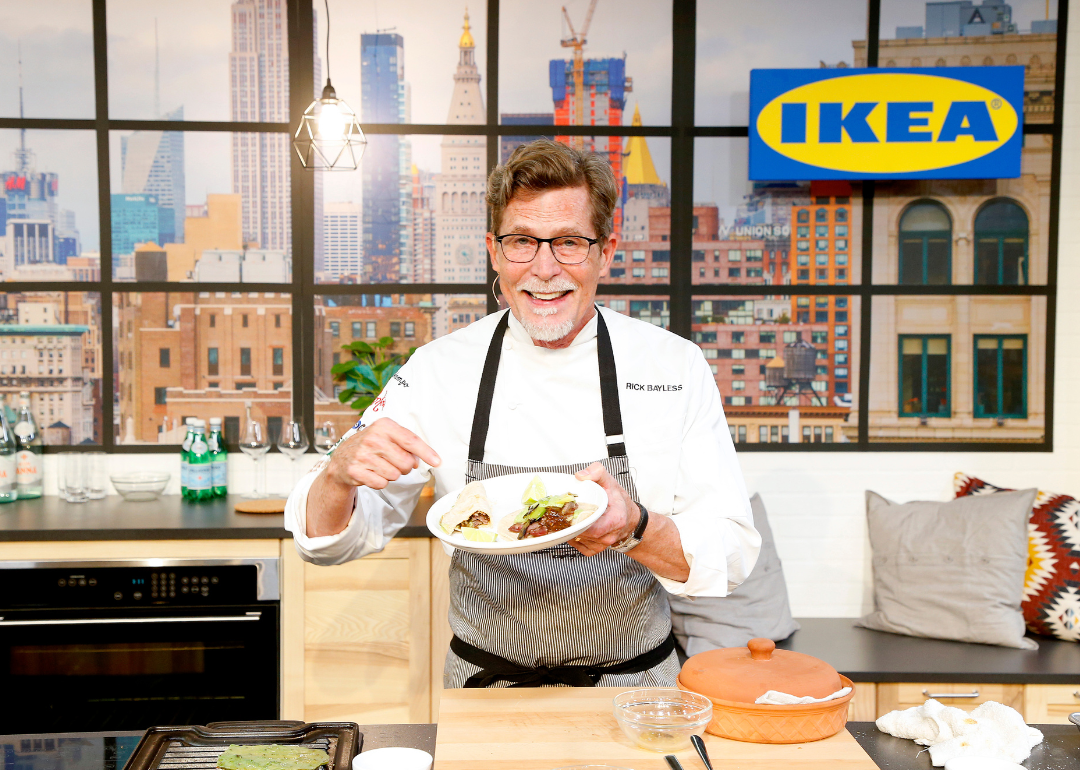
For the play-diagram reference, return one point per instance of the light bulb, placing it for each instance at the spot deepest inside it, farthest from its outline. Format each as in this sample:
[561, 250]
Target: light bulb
[331, 121]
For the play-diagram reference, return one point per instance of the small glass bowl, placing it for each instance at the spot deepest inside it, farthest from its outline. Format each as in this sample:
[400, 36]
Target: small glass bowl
[662, 719]
[140, 486]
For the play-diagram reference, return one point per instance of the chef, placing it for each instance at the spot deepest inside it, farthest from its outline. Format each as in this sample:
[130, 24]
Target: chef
[553, 384]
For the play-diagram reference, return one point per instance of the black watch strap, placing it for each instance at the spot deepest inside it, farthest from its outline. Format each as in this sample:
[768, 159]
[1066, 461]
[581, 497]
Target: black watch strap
[639, 532]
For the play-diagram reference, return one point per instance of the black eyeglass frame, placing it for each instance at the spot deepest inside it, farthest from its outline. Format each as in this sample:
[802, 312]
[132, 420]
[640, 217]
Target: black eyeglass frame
[550, 242]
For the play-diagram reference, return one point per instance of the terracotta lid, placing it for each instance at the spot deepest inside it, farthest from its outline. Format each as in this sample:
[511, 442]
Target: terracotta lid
[744, 674]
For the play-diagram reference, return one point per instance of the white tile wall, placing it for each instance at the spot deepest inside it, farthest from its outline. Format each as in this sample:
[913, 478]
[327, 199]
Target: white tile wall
[816, 502]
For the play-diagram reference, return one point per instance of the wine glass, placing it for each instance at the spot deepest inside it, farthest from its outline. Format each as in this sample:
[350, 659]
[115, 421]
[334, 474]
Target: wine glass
[292, 443]
[325, 437]
[255, 445]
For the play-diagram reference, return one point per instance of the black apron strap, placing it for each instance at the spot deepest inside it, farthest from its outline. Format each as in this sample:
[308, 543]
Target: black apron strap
[494, 669]
[609, 391]
[482, 414]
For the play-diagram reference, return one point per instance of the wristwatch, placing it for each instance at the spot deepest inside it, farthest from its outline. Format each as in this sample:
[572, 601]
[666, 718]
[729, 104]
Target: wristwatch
[631, 541]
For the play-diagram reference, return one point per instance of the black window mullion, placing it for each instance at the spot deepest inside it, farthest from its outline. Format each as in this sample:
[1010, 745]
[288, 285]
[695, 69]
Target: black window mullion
[492, 128]
[302, 199]
[105, 297]
[683, 70]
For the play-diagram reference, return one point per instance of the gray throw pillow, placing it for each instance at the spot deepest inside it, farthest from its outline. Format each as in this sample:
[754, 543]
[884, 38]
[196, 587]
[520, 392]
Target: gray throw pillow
[757, 608]
[951, 570]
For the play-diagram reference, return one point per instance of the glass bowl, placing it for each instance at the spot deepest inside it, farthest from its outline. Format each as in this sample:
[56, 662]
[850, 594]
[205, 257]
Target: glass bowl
[662, 718]
[140, 486]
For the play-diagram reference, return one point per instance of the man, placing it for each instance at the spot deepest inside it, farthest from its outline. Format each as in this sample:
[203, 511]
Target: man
[551, 384]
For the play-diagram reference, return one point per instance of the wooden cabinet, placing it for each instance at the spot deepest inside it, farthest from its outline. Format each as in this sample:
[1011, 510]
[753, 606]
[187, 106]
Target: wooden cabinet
[1050, 704]
[903, 695]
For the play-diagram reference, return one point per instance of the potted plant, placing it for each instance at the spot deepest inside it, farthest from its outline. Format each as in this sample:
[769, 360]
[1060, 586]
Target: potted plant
[369, 370]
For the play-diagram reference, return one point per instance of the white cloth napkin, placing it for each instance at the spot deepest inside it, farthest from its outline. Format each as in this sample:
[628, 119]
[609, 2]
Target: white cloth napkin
[776, 698]
[991, 730]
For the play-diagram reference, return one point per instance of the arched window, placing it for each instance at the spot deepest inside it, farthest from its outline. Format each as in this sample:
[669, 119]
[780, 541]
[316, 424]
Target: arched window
[803, 216]
[821, 215]
[1001, 244]
[926, 245]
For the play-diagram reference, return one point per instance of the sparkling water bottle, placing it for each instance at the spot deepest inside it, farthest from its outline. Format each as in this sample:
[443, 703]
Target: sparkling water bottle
[9, 489]
[29, 467]
[200, 483]
[185, 448]
[219, 459]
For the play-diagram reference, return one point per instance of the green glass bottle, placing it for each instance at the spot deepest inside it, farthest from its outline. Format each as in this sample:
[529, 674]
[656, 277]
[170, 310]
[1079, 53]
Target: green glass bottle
[219, 459]
[200, 484]
[185, 449]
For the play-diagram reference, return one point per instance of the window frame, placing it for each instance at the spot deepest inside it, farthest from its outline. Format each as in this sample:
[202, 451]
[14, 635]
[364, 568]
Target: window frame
[976, 411]
[925, 236]
[1001, 235]
[924, 338]
[676, 292]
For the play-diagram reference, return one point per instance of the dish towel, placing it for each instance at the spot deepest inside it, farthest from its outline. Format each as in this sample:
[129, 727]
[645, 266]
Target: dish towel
[776, 698]
[991, 730]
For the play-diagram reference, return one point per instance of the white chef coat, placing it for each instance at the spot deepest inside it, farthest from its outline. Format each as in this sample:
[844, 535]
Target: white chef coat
[546, 411]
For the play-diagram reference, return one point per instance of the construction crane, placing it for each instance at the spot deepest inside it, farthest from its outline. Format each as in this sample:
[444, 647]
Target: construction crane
[577, 42]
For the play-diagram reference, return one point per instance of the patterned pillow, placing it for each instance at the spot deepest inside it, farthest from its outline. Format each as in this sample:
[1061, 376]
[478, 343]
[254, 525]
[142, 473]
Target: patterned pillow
[1051, 600]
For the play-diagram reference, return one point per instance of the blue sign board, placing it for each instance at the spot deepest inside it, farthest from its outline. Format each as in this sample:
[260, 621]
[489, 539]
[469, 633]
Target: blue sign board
[895, 123]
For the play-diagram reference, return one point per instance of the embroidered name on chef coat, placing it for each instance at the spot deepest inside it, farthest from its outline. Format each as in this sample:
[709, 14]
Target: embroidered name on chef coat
[649, 387]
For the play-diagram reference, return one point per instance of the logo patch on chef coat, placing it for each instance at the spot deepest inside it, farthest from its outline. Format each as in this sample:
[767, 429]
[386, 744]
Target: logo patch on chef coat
[400, 381]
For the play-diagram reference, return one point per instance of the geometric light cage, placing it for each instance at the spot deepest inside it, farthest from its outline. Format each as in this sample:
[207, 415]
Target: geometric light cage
[341, 149]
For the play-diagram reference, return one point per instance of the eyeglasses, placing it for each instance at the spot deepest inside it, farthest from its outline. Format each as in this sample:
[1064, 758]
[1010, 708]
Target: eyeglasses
[568, 249]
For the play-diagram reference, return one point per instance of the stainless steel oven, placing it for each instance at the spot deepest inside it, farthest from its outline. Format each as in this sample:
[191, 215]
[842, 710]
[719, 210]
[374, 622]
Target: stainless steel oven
[125, 645]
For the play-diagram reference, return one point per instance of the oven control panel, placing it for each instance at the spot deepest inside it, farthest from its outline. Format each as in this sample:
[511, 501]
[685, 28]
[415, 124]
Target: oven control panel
[129, 586]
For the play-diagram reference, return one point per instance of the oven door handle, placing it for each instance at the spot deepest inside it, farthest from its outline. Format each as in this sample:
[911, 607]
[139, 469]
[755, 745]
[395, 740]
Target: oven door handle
[249, 616]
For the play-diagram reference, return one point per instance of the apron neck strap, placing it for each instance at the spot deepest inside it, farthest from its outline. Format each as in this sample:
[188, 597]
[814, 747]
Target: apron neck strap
[609, 391]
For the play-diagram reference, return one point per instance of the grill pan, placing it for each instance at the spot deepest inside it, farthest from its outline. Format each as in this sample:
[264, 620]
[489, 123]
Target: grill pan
[197, 748]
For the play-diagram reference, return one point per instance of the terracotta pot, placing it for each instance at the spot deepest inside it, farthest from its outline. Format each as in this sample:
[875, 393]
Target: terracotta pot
[735, 677]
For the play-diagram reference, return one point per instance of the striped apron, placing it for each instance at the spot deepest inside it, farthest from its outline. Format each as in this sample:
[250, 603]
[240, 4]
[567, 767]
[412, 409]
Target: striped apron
[554, 616]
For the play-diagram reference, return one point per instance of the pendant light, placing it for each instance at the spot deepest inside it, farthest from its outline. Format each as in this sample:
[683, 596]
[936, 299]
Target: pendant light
[329, 137]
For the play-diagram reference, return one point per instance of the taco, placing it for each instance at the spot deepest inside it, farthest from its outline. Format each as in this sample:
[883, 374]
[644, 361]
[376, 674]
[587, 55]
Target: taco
[471, 509]
[549, 514]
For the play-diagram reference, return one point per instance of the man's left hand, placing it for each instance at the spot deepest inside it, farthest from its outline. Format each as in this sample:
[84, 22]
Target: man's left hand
[618, 521]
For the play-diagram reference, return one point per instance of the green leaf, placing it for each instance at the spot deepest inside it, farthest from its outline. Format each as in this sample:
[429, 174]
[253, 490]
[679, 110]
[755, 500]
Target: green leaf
[345, 395]
[386, 342]
[358, 346]
[342, 368]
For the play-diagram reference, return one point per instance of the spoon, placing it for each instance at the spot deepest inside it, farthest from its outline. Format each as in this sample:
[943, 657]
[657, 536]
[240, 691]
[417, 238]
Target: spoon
[673, 762]
[700, 746]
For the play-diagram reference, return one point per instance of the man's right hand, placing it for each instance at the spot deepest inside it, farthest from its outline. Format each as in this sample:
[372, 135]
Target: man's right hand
[381, 453]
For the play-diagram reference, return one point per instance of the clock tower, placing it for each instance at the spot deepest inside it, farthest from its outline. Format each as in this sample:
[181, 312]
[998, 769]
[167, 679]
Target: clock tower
[460, 213]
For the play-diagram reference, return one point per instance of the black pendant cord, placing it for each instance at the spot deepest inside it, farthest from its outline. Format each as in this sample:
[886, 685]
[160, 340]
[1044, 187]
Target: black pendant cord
[326, 3]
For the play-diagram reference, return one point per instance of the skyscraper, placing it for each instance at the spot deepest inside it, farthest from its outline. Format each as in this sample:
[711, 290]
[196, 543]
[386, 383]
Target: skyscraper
[383, 100]
[152, 163]
[460, 213]
[259, 76]
[342, 235]
[604, 89]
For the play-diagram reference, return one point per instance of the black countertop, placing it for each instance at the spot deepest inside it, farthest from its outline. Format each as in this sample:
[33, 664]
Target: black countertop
[1060, 749]
[167, 518]
[863, 655]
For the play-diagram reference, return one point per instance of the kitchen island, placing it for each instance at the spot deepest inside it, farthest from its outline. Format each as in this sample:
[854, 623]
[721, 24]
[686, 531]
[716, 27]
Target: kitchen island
[109, 751]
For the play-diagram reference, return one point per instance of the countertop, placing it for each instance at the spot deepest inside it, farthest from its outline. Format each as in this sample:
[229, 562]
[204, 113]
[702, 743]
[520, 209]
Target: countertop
[1060, 750]
[167, 518]
[863, 655]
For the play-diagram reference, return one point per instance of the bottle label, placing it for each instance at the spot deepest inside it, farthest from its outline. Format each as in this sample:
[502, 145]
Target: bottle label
[200, 477]
[198, 446]
[212, 442]
[219, 472]
[8, 465]
[28, 468]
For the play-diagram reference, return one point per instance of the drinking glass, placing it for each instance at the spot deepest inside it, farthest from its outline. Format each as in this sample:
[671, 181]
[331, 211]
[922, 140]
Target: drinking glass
[95, 466]
[71, 480]
[255, 445]
[325, 437]
[292, 443]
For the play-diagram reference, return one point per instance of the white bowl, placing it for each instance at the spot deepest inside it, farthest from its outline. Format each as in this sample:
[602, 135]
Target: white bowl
[392, 758]
[505, 492]
[140, 486]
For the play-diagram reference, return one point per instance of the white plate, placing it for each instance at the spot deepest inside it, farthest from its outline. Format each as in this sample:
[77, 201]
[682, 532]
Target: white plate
[505, 493]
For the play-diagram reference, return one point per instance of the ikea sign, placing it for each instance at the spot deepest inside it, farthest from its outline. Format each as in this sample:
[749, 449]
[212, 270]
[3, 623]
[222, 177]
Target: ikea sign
[896, 123]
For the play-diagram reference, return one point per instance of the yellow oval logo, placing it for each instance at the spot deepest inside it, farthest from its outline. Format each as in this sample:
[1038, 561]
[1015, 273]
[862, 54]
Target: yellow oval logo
[887, 123]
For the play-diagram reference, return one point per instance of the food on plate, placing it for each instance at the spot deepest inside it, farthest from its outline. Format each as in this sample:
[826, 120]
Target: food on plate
[272, 757]
[472, 509]
[543, 516]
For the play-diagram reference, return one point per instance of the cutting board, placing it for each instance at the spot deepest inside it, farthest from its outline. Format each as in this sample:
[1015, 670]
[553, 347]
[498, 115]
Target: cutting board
[551, 727]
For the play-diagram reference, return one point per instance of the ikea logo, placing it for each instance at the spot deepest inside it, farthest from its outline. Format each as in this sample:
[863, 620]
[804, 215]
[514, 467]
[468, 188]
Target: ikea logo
[941, 123]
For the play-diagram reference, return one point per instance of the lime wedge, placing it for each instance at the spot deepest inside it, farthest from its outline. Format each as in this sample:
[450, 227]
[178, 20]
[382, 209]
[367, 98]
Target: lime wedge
[534, 492]
[478, 535]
